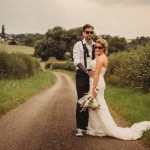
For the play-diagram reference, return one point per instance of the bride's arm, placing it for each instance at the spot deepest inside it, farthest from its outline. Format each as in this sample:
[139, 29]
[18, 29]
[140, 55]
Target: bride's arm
[99, 64]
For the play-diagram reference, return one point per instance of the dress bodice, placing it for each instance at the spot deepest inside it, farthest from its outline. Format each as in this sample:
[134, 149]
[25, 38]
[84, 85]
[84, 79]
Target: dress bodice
[93, 67]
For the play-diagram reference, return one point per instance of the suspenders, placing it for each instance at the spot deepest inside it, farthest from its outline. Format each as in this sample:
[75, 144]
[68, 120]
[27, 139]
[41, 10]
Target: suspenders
[86, 53]
[93, 51]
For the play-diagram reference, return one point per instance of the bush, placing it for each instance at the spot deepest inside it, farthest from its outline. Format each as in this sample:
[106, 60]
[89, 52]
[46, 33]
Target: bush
[50, 62]
[32, 64]
[48, 65]
[55, 64]
[66, 66]
[68, 56]
[17, 66]
[130, 68]
[58, 65]
[12, 42]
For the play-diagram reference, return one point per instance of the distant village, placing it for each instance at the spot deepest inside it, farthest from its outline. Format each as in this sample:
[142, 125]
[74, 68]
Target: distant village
[6, 38]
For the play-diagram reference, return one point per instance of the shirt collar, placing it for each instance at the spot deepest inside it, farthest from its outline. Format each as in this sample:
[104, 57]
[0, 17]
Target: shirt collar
[84, 42]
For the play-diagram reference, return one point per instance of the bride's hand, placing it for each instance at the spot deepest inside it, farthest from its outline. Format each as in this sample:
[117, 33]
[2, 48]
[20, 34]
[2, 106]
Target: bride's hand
[94, 93]
[91, 74]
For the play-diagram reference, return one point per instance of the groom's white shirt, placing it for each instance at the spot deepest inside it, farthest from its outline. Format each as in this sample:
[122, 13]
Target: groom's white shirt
[78, 53]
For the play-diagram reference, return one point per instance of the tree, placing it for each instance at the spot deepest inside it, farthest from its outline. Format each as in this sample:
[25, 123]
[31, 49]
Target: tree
[20, 38]
[139, 41]
[115, 44]
[57, 41]
[3, 32]
[54, 44]
[29, 40]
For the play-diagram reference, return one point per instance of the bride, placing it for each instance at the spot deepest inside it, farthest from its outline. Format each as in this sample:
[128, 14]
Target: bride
[100, 121]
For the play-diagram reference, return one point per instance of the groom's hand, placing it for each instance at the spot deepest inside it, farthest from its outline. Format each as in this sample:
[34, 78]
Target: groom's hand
[90, 73]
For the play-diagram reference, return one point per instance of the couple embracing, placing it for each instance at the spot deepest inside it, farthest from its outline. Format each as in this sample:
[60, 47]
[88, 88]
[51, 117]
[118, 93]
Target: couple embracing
[90, 59]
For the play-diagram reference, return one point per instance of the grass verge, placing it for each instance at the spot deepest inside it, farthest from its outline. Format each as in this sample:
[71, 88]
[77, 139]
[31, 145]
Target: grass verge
[15, 92]
[133, 105]
[16, 49]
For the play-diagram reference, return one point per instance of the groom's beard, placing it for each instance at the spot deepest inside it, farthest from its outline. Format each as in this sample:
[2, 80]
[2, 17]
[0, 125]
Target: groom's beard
[88, 40]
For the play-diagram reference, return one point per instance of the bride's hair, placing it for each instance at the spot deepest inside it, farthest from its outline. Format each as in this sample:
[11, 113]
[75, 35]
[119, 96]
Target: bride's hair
[104, 44]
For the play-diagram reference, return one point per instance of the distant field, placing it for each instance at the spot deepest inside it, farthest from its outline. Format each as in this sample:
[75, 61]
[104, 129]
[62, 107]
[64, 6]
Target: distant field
[20, 49]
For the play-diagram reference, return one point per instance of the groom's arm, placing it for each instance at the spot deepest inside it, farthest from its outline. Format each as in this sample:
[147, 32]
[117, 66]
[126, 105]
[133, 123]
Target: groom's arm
[76, 57]
[81, 67]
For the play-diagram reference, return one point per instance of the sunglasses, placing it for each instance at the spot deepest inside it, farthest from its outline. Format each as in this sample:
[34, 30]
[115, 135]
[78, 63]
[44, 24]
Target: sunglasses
[91, 32]
[99, 47]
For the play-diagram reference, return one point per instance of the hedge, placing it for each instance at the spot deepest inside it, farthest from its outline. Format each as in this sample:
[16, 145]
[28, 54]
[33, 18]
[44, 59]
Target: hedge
[130, 69]
[17, 66]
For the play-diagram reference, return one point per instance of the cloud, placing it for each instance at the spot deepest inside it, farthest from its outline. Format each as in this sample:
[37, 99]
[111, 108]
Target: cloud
[122, 2]
[125, 18]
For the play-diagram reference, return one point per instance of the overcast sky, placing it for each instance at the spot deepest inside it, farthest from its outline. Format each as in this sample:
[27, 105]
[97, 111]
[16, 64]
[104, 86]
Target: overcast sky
[125, 18]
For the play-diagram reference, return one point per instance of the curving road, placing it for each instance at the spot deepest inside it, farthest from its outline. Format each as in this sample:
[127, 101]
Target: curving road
[47, 122]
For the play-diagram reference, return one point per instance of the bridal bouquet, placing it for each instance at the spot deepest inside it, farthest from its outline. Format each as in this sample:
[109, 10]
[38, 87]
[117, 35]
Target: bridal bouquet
[88, 101]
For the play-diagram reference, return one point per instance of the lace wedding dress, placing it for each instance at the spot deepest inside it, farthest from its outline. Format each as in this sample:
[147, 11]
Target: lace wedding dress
[101, 122]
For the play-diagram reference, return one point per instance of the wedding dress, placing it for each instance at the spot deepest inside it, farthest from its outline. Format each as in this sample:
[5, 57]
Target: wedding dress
[101, 122]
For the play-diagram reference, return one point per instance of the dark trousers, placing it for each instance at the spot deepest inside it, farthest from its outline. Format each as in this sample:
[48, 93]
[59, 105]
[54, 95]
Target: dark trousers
[82, 86]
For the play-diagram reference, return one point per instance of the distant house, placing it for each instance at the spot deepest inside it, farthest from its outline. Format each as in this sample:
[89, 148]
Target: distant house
[9, 36]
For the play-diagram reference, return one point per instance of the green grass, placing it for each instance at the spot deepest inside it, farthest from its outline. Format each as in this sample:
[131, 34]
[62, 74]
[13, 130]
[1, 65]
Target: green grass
[133, 105]
[20, 49]
[15, 92]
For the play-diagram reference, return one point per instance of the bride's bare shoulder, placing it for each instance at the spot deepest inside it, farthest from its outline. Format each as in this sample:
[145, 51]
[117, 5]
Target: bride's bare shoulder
[102, 58]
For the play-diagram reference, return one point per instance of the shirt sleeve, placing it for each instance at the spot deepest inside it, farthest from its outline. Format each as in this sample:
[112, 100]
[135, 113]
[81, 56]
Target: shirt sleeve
[76, 54]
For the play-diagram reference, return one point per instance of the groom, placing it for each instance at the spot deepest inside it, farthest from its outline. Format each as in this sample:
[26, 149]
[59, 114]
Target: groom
[83, 53]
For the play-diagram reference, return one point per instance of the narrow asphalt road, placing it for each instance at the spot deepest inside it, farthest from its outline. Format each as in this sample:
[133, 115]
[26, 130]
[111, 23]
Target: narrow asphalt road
[47, 122]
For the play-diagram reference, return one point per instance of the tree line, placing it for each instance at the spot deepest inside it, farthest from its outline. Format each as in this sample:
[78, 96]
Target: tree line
[58, 42]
